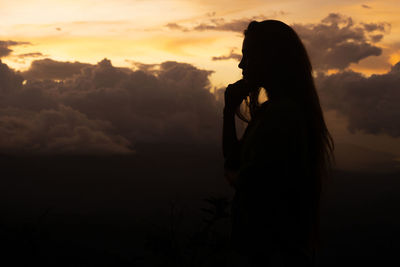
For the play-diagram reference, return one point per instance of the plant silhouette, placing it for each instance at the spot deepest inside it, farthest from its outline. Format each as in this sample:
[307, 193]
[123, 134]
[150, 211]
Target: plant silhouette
[205, 247]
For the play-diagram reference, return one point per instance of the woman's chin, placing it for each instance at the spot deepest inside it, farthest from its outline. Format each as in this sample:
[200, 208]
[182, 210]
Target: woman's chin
[250, 82]
[247, 79]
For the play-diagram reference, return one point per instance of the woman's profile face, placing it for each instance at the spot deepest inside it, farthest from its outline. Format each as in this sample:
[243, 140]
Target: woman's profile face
[250, 64]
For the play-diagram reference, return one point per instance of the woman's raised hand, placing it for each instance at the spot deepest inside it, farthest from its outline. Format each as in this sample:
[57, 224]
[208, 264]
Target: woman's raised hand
[234, 94]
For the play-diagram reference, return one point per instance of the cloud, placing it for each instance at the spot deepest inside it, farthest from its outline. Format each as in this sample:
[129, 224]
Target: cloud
[220, 24]
[336, 41]
[237, 25]
[143, 66]
[4, 47]
[232, 55]
[4, 51]
[51, 69]
[103, 109]
[366, 6]
[176, 26]
[333, 43]
[9, 80]
[35, 54]
[57, 131]
[369, 103]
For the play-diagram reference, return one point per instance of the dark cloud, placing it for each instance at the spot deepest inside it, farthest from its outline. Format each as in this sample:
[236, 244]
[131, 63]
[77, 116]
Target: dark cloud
[176, 26]
[382, 27]
[60, 131]
[232, 55]
[366, 6]
[36, 54]
[9, 80]
[4, 51]
[333, 43]
[376, 38]
[4, 47]
[51, 69]
[371, 104]
[336, 41]
[104, 109]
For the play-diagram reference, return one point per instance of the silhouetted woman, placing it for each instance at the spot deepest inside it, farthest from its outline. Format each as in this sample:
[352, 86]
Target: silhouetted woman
[286, 150]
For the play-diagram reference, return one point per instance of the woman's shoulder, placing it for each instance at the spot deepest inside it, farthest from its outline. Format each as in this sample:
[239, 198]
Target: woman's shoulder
[281, 110]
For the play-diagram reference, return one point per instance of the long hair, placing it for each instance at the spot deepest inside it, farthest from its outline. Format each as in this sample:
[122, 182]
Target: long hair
[288, 66]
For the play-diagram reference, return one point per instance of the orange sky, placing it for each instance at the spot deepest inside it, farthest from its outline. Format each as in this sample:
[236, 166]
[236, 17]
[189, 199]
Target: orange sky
[125, 30]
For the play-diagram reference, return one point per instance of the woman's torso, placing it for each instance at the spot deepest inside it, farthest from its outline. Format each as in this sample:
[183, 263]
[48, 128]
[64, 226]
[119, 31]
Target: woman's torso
[271, 209]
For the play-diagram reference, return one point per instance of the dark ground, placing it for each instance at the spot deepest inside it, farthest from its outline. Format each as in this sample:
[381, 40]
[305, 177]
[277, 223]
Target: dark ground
[149, 209]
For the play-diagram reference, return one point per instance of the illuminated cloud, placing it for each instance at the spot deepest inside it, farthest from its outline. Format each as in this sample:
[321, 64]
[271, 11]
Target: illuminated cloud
[369, 103]
[236, 25]
[176, 26]
[232, 55]
[220, 24]
[5, 47]
[35, 54]
[144, 67]
[51, 69]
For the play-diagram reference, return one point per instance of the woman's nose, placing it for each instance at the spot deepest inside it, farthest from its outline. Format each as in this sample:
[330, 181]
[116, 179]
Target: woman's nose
[241, 64]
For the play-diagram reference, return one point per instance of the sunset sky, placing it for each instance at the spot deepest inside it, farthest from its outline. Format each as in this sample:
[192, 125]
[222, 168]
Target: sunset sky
[137, 30]
[340, 35]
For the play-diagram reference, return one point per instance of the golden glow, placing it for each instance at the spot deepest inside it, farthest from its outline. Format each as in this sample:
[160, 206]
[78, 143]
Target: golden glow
[135, 30]
[395, 58]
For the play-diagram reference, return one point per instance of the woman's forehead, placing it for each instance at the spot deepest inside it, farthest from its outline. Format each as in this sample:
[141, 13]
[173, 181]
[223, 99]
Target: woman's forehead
[247, 44]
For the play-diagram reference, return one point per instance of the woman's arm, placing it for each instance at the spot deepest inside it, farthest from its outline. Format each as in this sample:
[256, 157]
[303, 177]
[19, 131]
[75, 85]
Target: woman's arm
[229, 137]
[230, 146]
[234, 95]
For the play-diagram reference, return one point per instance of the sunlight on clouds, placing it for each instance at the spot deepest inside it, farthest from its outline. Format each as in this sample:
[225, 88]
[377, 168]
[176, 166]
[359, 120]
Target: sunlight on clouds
[126, 31]
[394, 58]
[89, 30]
[151, 49]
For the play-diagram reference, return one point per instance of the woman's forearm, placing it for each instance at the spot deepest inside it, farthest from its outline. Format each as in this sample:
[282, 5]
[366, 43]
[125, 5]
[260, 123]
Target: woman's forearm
[229, 137]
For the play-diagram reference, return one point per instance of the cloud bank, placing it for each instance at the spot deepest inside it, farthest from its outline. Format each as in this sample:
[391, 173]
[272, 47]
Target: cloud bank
[103, 109]
[371, 104]
[75, 107]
